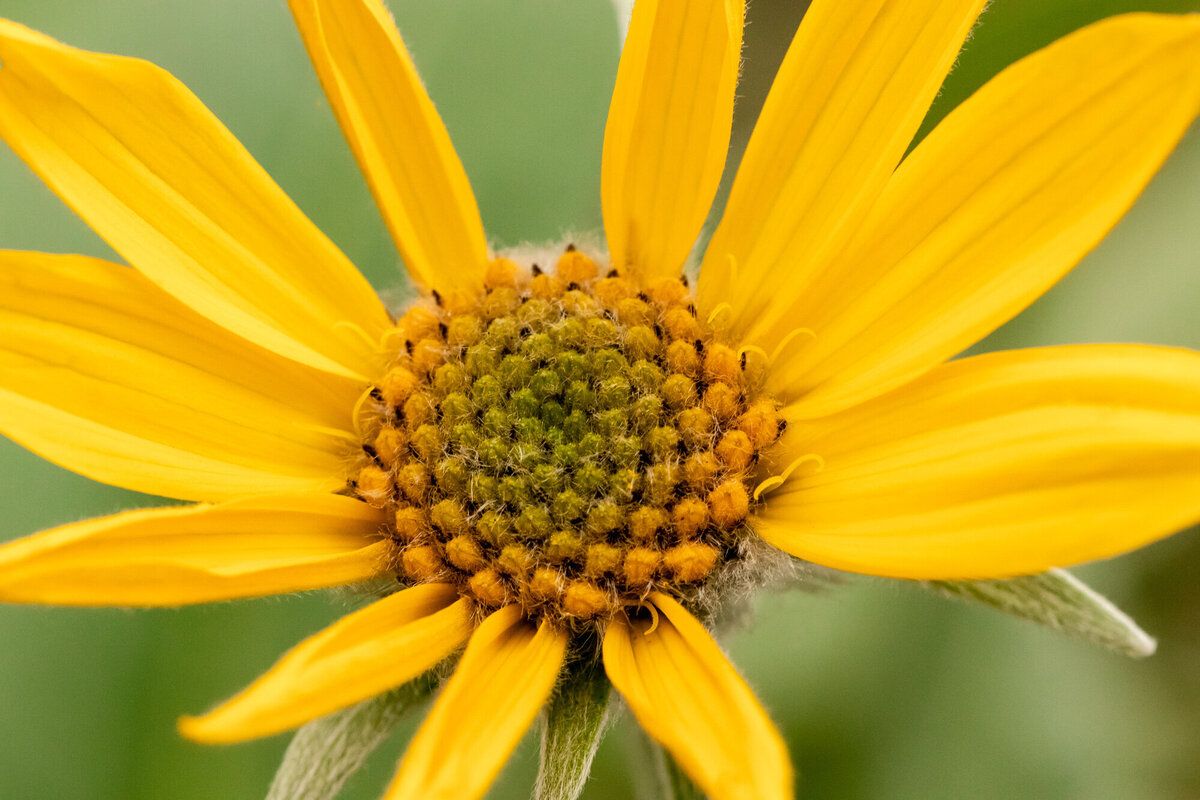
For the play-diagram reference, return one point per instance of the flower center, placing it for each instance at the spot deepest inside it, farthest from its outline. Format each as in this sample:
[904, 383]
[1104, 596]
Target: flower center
[566, 443]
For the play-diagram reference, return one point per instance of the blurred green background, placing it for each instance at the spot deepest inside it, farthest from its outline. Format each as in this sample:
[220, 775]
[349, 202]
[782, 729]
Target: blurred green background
[881, 691]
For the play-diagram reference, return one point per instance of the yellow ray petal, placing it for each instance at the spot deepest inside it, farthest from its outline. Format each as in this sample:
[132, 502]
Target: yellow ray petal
[361, 655]
[103, 372]
[398, 138]
[135, 154]
[497, 689]
[844, 107]
[668, 130]
[687, 695]
[1000, 465]
[197, 554]
[990, 210]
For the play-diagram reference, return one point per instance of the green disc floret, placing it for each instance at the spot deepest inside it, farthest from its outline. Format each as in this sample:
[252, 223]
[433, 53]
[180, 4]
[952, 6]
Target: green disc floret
[557, 442]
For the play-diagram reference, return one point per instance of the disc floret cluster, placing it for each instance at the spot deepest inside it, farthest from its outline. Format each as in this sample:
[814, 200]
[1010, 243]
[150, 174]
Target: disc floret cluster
[566, 442]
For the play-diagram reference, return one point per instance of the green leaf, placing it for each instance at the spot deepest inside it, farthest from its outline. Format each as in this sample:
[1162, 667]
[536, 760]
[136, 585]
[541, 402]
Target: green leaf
[327, 751]
[576, 720]
[657, 776]
[623, 9]
[678, 783]
[1061, 602]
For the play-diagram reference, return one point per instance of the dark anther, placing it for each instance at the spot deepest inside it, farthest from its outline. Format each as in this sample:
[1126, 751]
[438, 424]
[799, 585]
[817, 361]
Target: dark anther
[571, 248]
[645, 298]
[684, 280]
[376, 394]
[782, 427]
[408, 345]
[442, 329]
[370, 451]
[743, 361]
[536, 270]
[612, 273]
[437, 297]
[572, 286]
[699, 345]
[658, 331]
[692, 310]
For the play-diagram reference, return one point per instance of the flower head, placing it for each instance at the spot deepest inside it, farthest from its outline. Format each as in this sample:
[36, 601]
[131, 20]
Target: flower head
[565, 468]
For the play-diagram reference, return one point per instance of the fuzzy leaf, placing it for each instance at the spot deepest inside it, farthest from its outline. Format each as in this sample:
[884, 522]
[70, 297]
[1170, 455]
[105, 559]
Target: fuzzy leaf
[679, 785]
[656, 776]
[1061, 602]
[576, 720]
[623, 9]
[327, 751]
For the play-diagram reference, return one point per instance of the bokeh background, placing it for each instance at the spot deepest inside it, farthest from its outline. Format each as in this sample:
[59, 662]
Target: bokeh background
[881, 690]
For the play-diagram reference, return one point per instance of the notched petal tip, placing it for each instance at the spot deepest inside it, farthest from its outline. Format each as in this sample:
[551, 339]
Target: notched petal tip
[688, 697]
[198, 730]
[378, 648]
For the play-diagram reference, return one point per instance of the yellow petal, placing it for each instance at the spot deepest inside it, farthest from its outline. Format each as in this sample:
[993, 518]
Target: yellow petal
[844, 107]
[135, 154]
[990, 210]
[668, 130]
[687, 695]
[497, 689]
[1000, 465]
[197, 554]
[398, 138]
[361, 655]
[103, 372]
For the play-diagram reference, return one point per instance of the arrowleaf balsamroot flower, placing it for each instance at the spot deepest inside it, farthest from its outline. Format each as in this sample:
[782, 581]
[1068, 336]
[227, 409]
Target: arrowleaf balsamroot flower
[577, 462]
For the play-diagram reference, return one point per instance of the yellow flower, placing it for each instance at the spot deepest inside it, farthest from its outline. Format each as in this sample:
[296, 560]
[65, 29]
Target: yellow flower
[576, 464]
